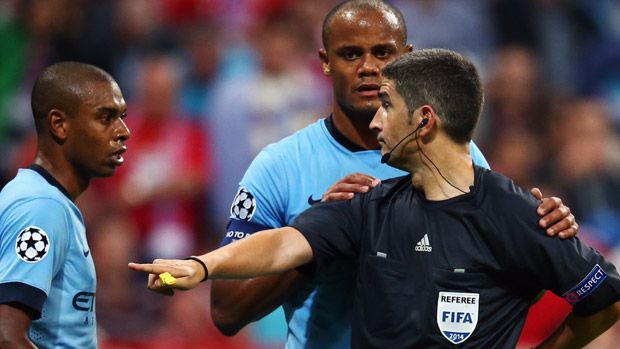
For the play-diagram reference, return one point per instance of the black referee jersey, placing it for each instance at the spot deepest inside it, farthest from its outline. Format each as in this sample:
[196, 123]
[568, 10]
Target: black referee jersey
[455, 273]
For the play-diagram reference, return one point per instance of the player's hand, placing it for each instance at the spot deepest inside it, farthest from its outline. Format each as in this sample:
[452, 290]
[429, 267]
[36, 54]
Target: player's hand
[557, 218]
[346, 187]
[188, 274]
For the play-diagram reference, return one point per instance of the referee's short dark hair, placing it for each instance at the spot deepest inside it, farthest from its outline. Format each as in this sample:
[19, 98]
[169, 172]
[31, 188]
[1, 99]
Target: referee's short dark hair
[445, 80]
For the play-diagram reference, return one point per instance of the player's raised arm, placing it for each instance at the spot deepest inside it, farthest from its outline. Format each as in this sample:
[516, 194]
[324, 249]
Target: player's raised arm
[271, 251]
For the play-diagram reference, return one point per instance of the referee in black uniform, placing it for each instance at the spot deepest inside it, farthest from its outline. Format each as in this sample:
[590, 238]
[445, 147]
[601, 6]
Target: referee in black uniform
[448, 256]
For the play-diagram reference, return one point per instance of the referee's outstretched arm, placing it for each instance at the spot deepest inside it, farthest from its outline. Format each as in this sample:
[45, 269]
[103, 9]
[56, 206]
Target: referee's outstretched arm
[577, 331]
[271, 251]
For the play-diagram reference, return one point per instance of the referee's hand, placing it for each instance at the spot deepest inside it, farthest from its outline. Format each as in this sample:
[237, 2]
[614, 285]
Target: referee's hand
[188, 274]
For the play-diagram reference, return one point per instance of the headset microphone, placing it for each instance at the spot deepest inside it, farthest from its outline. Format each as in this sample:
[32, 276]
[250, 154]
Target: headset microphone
[386, 157]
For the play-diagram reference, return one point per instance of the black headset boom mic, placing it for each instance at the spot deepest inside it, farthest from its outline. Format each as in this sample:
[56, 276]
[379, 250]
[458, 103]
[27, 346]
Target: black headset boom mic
[386, 157]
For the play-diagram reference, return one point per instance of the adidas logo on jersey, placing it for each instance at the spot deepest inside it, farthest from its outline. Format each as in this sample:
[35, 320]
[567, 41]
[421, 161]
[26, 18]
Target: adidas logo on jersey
[423, 245]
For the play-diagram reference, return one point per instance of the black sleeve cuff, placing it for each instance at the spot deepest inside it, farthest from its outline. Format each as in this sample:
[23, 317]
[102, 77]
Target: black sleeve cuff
[19, 293]
[309, 269]
[601, 299]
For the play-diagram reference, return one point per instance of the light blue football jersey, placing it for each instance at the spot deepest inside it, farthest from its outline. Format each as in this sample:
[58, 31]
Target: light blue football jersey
[45, 261]
[283, 181]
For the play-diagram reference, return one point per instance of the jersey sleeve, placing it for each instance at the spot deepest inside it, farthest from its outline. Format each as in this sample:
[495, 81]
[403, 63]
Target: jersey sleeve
[569, 268]
[260, 200]
[333, 229]
[477, 156]
[33, 242]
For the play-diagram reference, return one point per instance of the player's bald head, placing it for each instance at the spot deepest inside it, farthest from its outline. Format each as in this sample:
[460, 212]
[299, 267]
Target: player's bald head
[63, 86]
[390, 14]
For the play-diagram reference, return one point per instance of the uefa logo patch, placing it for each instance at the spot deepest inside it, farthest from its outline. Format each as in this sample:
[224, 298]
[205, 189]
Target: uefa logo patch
[32, 244]
[457, 315]
[244, 205]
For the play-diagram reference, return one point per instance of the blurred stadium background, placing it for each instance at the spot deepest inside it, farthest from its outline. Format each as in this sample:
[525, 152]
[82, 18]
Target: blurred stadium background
[210, 82]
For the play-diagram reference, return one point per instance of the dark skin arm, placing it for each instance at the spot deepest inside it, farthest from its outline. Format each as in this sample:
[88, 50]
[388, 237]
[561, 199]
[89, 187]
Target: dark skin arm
[577, 331]
[14, 324]
[236, 303]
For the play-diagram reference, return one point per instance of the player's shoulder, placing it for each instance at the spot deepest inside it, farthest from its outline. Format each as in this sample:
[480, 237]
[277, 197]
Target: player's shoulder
[29, 191]
[286, 159]
[299, 141]
[30, 205]
[298, 146]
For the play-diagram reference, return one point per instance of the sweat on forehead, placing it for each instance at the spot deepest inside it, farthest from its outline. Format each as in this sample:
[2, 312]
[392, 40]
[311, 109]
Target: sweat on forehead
[350, 11]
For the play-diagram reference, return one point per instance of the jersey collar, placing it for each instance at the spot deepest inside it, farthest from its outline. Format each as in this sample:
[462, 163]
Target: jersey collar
[48, 177]
[339, 137]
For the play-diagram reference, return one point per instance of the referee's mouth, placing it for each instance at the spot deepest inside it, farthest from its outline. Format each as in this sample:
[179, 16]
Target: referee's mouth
[382, 144]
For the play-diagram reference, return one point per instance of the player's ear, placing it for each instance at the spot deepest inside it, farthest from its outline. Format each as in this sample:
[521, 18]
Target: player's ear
[58, 125]
[325, 62]
[409, 48]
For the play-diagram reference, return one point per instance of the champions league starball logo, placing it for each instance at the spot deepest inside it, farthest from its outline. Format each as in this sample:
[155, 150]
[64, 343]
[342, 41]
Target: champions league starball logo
[32, 244]
[243, 206]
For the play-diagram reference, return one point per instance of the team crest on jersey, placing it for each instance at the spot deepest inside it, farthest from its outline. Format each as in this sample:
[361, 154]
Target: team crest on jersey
[457, 315]
[32, 244]
[244, 205]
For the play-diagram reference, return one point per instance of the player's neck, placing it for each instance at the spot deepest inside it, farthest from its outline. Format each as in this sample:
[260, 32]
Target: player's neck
[63, 173]
[451, 161]
[355, 129]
